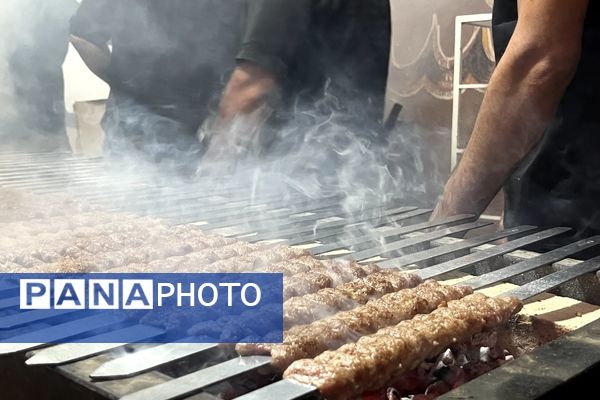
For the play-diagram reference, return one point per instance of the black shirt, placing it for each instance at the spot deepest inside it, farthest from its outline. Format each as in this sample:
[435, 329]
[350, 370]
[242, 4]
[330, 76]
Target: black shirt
[171, 56]
[559, 183]
[338, 48]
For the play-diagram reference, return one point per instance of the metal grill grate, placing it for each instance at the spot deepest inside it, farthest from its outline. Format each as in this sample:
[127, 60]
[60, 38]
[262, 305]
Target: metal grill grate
[396, 234]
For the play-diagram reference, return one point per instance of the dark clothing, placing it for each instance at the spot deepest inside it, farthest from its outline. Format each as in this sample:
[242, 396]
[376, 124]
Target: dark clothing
[323, 48]
[331, 58]
[35, 71]
[559, 183]
[170, 61]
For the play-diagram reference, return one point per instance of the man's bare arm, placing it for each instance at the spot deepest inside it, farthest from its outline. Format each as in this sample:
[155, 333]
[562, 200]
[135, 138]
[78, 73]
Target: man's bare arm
[522, 98]
[96, 58]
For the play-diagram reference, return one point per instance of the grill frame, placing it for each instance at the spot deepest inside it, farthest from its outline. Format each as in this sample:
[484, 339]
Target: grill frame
[63, 381]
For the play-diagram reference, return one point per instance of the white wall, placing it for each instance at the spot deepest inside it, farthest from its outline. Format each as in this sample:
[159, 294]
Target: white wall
[80, 83]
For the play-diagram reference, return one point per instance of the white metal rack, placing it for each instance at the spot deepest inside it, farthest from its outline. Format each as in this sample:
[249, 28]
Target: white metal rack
[482, 20]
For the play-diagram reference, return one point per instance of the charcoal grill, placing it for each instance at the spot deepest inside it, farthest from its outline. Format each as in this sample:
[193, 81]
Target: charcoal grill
[393, 234]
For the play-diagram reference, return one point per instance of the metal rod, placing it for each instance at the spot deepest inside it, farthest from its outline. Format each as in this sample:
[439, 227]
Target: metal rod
[554, 280]
[56, 333]
[522, 267]
[474, 258]
[71, 352]
[428, 237]
[210, 211]
[317, 210]
[315, 219]
[147, 359]
[201, 205]
[54, 185]
[359, 229]
[66, 182]
[195, 382]
[37, 175]
[430, 254]
[242, 228]
[395, 232]
[17, 165]
[200, 191]
[209, 205]
[384, 249]
[151, 193]
[105, 187]
[248, 213]
[25, 156]
[23, 164]
[28, 317]
[281, 390]
[292, 232]
[35, 168]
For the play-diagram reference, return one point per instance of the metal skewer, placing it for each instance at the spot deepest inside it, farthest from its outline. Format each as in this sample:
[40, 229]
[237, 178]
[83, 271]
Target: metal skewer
[70, 352]
[474, 258]
[193, 383]
[431, 254]
[395, 232]
[28, 317]
[147, 359]
[56, 333]
[522, 267]
[295, 231]
[357, 228]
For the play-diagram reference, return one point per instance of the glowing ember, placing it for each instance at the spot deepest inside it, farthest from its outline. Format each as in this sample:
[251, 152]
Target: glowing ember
[449, 370]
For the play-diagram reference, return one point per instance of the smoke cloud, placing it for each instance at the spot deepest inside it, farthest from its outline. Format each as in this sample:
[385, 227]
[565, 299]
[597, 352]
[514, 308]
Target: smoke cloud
[7, 42]
[319, 149]
[33, 45]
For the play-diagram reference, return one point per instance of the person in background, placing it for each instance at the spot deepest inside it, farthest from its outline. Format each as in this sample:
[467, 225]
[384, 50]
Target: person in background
[302, 64]
[166, 66]
[39, 37]
[538, 130]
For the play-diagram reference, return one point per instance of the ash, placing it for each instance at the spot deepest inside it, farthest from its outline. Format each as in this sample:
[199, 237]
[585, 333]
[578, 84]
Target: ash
[450, 369]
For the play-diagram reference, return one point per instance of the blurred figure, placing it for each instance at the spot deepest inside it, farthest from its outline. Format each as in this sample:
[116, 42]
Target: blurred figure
[166, 66]
[302, 63]
[36, 45]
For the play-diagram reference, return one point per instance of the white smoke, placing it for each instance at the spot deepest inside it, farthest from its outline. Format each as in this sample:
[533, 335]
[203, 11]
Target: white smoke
[8, 14]
[320, 151]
